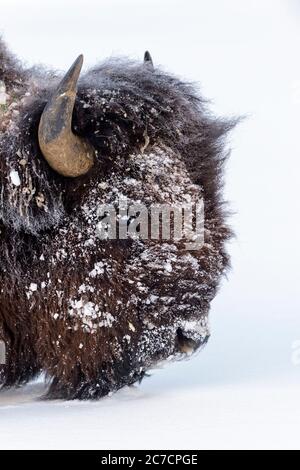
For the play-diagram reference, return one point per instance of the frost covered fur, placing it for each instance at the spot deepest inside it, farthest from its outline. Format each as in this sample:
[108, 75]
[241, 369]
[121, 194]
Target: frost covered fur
[96, 315]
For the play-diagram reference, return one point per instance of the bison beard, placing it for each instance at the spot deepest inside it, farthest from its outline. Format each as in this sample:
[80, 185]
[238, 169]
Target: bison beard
[95, 315]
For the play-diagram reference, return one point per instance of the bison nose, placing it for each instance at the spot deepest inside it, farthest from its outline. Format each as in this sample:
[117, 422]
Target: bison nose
[186, 344]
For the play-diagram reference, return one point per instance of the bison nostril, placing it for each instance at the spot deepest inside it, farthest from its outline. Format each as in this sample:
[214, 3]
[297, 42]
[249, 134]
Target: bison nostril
[186, 344]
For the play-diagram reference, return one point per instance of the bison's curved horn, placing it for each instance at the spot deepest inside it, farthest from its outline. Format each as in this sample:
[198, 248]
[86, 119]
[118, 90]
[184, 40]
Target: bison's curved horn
[148, 60]
[68, 154]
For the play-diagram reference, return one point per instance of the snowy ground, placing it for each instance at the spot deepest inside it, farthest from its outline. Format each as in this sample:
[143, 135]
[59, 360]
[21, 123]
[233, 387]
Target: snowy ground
[220, 416]
[243, 390]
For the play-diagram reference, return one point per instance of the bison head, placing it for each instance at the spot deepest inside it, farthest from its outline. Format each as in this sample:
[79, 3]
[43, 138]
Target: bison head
[94, 313]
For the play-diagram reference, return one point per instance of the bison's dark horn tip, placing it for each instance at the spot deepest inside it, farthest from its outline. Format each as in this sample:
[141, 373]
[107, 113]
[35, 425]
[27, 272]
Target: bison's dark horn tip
[75, 68]
[148, 59]
[79, 60]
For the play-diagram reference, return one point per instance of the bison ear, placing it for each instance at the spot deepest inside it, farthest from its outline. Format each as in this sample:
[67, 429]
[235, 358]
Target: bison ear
[148, 62]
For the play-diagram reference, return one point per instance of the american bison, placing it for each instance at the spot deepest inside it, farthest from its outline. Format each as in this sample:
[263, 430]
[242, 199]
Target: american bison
[94, 313]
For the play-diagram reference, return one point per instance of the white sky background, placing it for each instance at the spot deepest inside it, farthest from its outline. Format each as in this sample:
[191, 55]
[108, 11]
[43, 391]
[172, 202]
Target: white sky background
[245, 55]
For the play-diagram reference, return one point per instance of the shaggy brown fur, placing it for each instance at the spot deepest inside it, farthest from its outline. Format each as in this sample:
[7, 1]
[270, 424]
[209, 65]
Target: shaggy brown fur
[96, 315]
